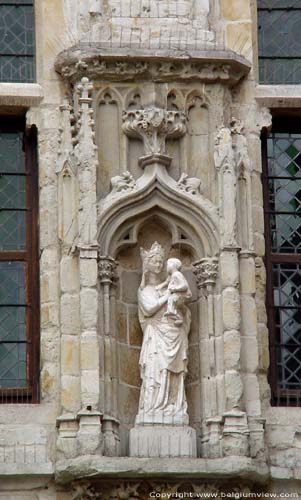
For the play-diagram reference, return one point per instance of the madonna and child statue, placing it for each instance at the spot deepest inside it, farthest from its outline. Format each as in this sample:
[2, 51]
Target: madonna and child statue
[165, 322]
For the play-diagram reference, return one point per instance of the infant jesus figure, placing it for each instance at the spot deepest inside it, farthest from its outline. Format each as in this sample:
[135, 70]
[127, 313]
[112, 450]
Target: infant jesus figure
[179, 291]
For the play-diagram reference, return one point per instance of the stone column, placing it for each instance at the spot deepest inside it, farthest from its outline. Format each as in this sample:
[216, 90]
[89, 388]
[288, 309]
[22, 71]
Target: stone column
[206, 271]
[89, 436]
[67, 173]
[235, 432]
[107, 279]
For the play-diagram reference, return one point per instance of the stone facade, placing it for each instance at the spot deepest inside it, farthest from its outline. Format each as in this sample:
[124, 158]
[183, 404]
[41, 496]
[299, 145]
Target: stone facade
[149, 118]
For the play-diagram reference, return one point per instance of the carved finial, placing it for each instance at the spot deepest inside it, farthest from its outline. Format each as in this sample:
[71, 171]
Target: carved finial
[153, 125]
[86, 134]
[206, 271]
[66, 135]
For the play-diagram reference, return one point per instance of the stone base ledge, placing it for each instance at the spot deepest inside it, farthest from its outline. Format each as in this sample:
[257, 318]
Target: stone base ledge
[159, 65]
[22, 470]
[172, 468]
[20, 94]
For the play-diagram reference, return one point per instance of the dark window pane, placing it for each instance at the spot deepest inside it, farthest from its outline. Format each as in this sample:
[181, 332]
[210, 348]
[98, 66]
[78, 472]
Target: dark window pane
[12, 324]
[279, 41]
[12, 283]
[11, 154]
[287, 285]
[12, 365]
[286, 233]
[284, 155]
[17, 42]
[278, 4]
[12, 191]
[12, 230]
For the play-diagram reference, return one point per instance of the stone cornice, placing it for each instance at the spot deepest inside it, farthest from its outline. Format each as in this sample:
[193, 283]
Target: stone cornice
[95, 467]
[98, 63]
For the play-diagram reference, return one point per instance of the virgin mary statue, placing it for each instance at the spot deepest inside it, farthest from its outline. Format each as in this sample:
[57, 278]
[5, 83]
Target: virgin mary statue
[163, 359]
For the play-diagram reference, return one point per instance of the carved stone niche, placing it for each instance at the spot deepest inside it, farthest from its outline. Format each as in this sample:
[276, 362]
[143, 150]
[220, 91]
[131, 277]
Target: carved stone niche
[185, 225]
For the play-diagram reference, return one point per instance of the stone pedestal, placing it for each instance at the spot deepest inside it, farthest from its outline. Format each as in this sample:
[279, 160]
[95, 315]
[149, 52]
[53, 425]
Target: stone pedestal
[163, 441]
[235, 434]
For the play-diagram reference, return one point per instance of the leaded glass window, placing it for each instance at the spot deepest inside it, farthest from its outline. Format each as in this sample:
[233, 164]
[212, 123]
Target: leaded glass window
[279, 41]
[282, 195]
[19, 298]
[17, 41]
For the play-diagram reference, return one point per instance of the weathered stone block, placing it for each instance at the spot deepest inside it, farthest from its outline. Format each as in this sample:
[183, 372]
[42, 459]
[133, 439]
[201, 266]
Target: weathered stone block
[231, 309]
[89, 308]
[88, 272]
[129, 365]
[70, 393]
[128, 403]
[249, 354]
[135, 334]
[229, 269]
[247, 275]
[69, 274]
[248, 316]
[232, 350]
[70, 355]
[193, 373]
[70, 322]
[235, 10]
[162, 441]
[239, 38]
[130, 284]
[121, 322]
[233, 388]
[89, 355]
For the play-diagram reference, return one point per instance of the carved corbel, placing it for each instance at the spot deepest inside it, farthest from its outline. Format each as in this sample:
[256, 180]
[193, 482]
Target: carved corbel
[153, 126]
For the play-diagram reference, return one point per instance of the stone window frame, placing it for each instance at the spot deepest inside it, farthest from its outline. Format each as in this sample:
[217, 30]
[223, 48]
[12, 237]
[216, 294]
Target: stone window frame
[284, 121]
[30, 256]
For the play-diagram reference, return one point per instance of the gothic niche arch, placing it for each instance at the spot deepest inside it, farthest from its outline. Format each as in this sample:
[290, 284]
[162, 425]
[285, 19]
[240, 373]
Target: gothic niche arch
[174, 147]
[197, 138]
[109, 138]
[123, 230]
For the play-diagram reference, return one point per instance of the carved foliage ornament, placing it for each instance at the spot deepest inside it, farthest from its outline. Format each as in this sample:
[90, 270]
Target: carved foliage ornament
[154, 125]
[206, 271]
[94, 66]
[190, 185]
[143, 490]
[123, 183]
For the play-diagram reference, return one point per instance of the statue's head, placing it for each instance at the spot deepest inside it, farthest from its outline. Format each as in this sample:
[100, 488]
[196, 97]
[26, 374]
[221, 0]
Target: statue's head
[153, 259]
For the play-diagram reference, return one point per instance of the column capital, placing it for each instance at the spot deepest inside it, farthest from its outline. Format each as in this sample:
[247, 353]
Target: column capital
[107, 267]
[206, 271]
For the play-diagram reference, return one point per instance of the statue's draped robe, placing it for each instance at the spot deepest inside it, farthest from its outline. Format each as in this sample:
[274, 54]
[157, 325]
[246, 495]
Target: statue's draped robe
[163, 362]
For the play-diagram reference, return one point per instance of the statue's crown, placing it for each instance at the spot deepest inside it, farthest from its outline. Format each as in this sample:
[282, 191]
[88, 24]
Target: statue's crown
[155, 249]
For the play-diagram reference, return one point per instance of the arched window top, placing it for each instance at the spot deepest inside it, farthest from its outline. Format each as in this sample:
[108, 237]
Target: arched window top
[17, 41]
